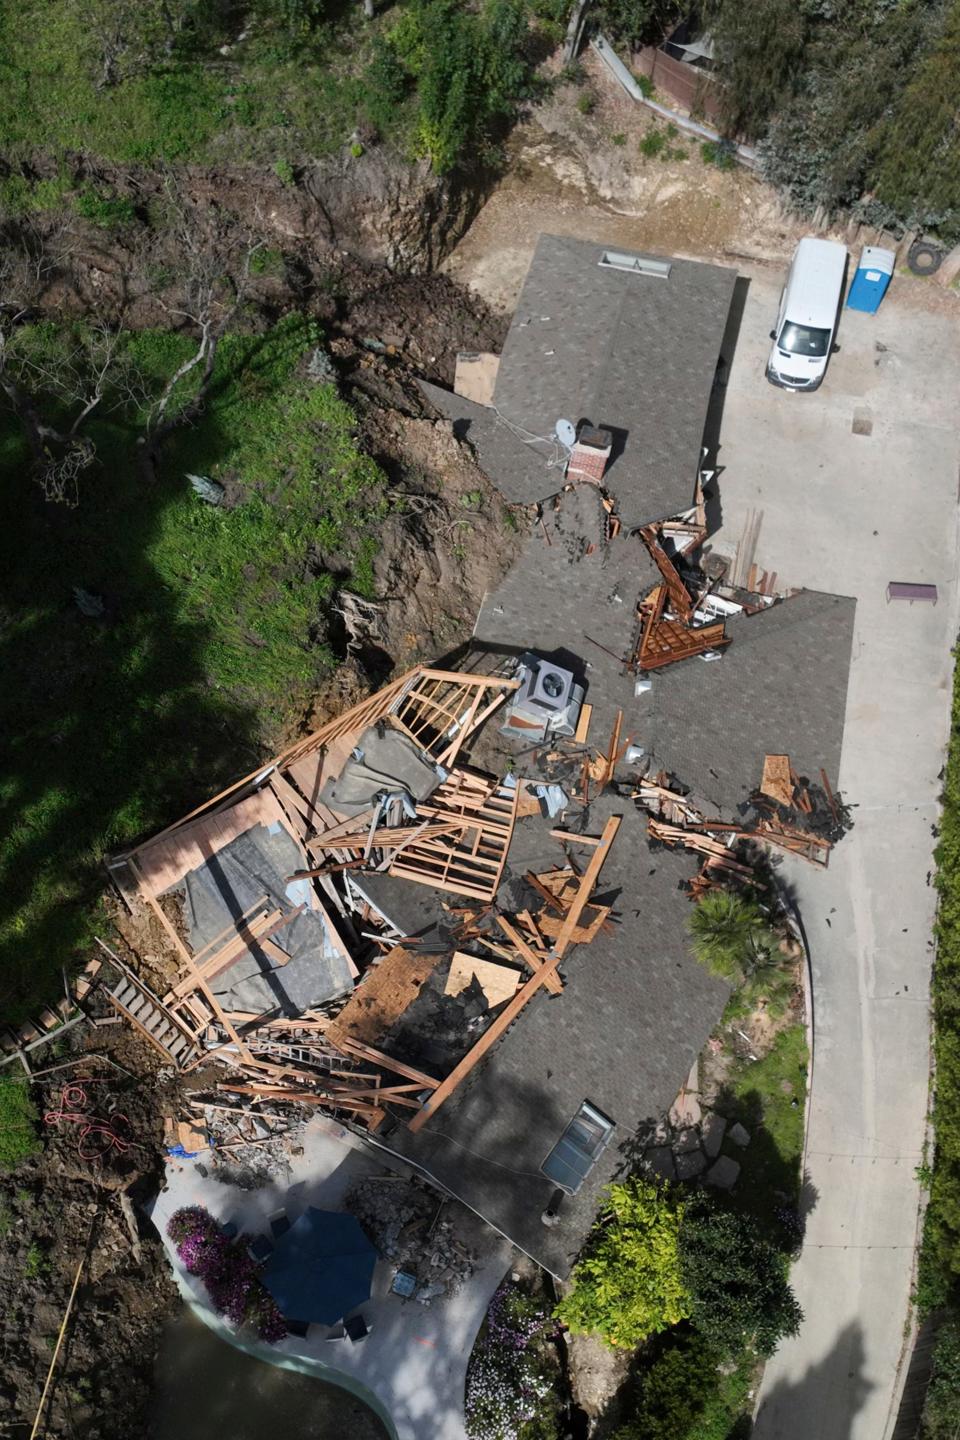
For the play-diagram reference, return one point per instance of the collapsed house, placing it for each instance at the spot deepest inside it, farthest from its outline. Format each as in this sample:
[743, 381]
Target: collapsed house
[454, 917]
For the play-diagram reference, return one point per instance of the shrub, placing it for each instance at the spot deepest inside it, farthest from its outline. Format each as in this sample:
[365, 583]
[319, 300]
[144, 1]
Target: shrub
[227, 1271]
[628, 1284]
[653, 143]
[618, 139]
[737, 1282]
[586, 103]
[110, 211]
[718, 152]
[470, 71]
[730, 934]
[942, 1404]
[18, 1124]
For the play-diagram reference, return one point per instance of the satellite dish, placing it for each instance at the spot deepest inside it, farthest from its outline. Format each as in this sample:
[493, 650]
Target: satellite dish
[565, 432]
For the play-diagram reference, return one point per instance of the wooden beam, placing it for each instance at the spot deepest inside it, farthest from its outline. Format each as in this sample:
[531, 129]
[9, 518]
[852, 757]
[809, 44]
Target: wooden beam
[587, 881]
[489, 1038]
[348, 1046]
[567, 837]
[536, 962]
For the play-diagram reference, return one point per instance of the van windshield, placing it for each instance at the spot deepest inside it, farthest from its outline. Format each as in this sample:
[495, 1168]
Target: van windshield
[802, 340]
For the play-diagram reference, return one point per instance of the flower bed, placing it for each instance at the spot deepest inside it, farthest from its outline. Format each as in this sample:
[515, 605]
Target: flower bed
[227, 1271]
[512, 1378]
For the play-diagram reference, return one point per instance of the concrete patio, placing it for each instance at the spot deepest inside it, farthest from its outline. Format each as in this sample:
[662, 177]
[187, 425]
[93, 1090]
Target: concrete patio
[410, 1369]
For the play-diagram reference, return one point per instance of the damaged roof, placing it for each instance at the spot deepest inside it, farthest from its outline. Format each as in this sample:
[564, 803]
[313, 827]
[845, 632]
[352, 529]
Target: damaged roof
[635, 1012]
[781, 688]
[631, 352]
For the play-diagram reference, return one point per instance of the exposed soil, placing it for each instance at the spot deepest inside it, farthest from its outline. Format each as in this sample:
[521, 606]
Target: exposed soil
[60, 1207]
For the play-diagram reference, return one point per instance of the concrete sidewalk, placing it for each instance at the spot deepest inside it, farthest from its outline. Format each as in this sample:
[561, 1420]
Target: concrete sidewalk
[411, 1368]
[847, 512]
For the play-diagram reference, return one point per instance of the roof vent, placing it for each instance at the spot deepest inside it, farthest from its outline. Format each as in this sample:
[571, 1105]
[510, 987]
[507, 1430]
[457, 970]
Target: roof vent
[636, 264]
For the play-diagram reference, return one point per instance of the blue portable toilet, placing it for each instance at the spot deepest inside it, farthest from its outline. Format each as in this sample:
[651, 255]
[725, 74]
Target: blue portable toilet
[871, 279]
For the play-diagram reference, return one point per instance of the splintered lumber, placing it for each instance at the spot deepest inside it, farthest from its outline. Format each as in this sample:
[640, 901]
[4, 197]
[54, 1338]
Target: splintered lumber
[536, 962]
[569, 837]
[677, 591]
[249, 936]
[360, 1051]
[385, 992]
[611, 758]
[594, 918]
[513, 1007]
[777, 780]
[489, 1038]
[498, 982]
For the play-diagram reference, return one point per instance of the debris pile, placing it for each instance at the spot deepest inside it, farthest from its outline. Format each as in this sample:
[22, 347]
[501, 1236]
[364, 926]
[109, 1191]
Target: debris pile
[786, 812]
[267, 897]
[406, 1223]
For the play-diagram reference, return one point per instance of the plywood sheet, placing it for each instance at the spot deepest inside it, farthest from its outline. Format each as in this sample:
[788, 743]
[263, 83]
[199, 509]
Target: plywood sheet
[498, 982]
[476, 376]
[165, 861]
[777, 782]
[385, 994]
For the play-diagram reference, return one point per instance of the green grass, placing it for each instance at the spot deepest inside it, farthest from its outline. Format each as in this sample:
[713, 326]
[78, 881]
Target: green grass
[18, 1129]
[768, 1096]
[211, 644]
[262, 103]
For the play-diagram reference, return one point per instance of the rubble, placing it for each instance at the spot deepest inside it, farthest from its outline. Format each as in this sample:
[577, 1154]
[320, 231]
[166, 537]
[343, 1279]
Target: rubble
[406, 1223]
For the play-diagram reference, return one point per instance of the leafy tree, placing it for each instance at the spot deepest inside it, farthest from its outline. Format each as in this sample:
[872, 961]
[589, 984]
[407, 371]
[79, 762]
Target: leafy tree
[627, 1285]
[942, 1405]
[471, 72]
[636, 22]
[736, 1281]
[918, 154]
[730, 934]
[757, 49]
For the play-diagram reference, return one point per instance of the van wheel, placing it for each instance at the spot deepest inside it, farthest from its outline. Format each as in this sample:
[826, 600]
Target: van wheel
[924, 258]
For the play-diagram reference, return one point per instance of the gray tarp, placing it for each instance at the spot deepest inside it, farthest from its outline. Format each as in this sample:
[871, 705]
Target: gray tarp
[391, 763]
[225, 887]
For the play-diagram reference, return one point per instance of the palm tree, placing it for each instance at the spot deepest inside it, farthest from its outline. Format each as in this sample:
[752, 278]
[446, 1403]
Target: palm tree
[730, 934]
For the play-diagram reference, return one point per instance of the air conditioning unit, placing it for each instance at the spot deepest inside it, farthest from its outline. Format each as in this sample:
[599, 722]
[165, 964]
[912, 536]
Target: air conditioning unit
[548, 699]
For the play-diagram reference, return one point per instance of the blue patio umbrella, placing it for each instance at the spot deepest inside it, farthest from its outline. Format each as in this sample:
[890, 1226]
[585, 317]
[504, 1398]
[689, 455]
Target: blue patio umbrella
[321, 1268]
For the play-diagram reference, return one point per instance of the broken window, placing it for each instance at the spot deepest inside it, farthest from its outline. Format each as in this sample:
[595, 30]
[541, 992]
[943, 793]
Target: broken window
[578, 1149]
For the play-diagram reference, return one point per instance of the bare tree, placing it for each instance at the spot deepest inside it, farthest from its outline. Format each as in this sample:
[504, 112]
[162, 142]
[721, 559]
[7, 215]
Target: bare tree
[85, 369]
[215, 282]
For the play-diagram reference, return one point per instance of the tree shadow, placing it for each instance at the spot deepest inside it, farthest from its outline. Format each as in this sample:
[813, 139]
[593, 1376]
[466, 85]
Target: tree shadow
[718, 397]
[109, 725]
[823, 1403]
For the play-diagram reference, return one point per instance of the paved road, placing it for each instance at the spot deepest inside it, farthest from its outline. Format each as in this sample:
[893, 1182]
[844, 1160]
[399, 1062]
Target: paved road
[847, 512]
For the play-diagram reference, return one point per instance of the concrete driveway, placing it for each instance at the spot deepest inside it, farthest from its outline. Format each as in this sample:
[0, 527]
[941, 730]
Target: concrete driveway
[846, 512]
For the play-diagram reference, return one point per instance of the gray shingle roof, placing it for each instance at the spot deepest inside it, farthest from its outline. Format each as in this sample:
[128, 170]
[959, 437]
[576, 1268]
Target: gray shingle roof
[781, 688]
[635, 1011]
[633, 353]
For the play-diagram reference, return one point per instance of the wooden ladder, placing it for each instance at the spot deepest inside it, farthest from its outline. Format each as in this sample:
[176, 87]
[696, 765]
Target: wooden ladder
[136, 1002]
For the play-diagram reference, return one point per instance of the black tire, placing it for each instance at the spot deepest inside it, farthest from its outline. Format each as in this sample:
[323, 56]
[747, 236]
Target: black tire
[924, 258]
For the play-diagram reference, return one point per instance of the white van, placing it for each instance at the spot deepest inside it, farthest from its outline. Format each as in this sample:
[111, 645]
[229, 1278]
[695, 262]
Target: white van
[807, 320]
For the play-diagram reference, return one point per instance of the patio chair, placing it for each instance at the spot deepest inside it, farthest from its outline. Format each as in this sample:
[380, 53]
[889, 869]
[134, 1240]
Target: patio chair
[356, 1327]
[336, 1332]
[279, 1223]
[260, 1248]
[299, 1328]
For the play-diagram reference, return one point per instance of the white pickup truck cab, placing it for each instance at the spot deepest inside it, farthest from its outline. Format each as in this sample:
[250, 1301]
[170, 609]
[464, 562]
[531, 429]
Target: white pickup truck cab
[807, 319]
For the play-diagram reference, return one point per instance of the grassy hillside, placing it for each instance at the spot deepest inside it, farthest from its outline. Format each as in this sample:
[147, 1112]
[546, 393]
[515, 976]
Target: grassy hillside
[211, 636]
